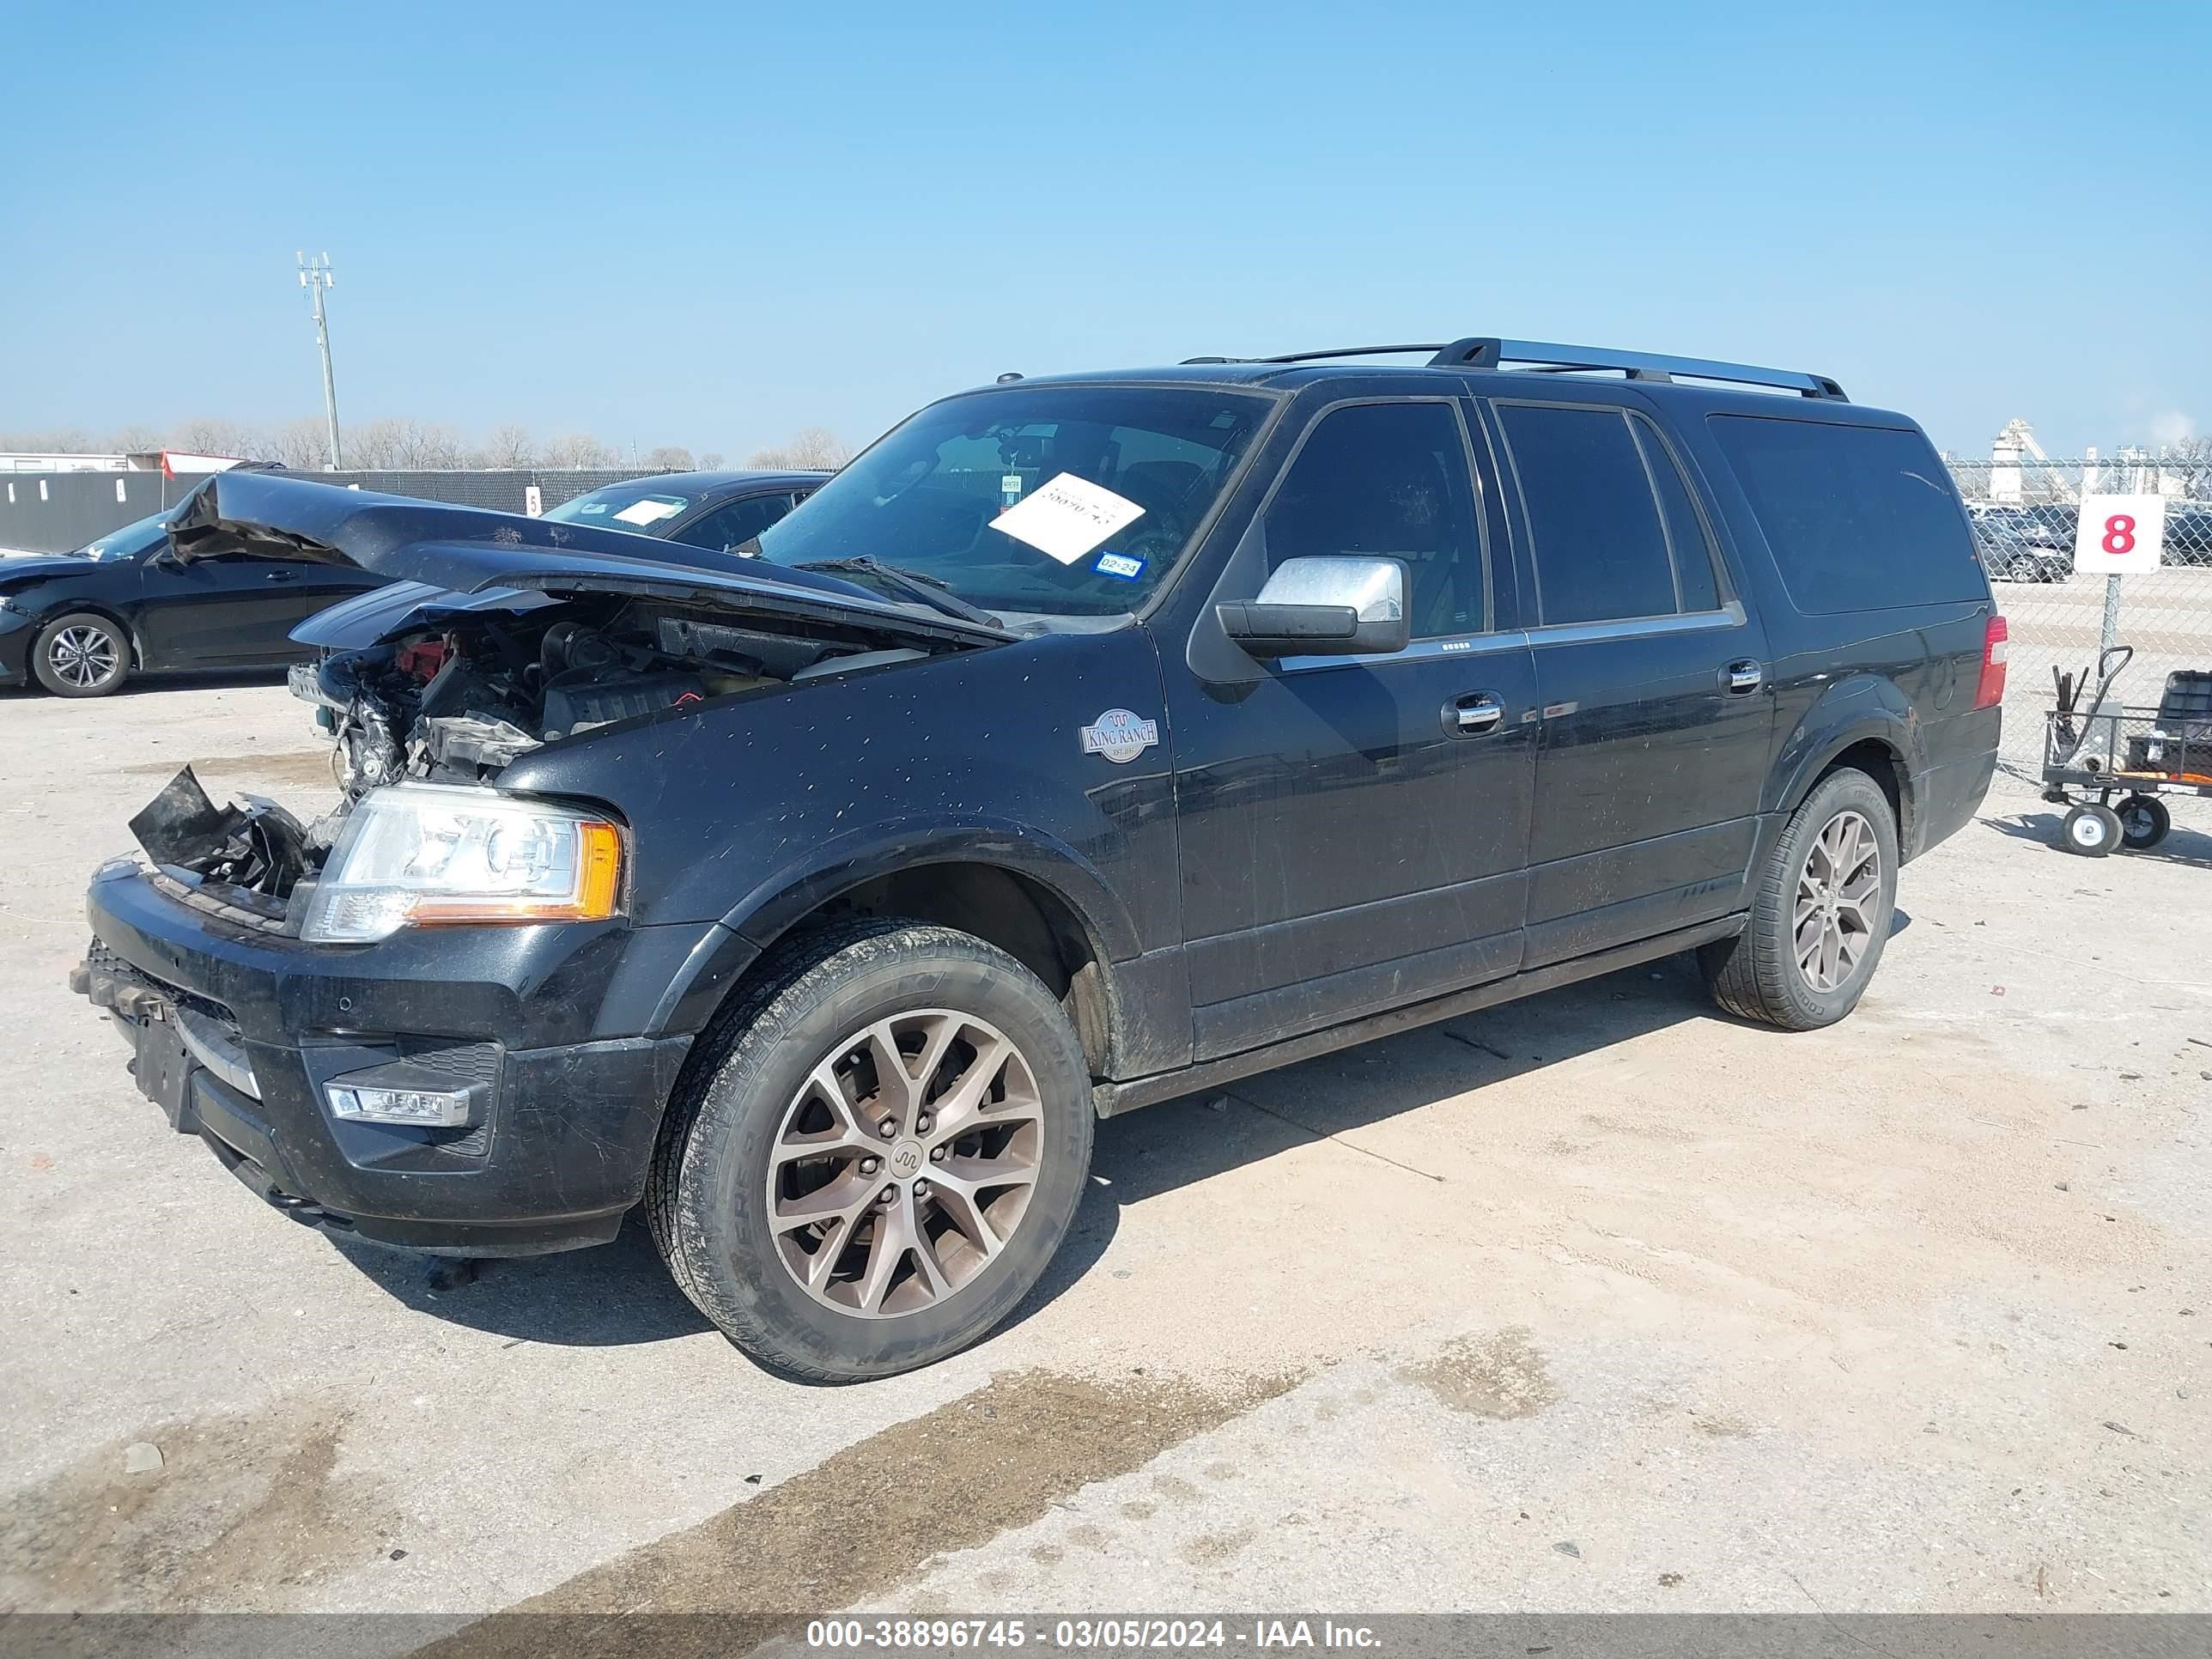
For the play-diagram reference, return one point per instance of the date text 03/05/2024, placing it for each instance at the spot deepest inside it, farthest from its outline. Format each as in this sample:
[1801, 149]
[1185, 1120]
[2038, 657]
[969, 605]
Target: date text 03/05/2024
[838, 1635]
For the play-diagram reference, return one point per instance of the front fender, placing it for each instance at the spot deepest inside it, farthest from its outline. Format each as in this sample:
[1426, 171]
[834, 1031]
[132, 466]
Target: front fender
[780, 901]
[749, 813]
[781, 898]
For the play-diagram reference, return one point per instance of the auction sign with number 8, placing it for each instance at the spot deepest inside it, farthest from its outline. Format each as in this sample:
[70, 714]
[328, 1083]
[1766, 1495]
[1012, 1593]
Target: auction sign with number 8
[2119, 535]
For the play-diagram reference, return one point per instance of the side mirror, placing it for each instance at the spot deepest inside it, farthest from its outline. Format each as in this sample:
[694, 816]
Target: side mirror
[1339, 606]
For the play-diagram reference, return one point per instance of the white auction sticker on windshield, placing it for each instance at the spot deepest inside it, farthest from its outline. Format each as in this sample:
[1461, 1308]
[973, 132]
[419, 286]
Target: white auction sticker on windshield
[1067, 516]
[648, 511]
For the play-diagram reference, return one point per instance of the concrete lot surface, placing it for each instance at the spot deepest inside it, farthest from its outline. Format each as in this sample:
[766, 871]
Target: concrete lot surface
[1596, 1301]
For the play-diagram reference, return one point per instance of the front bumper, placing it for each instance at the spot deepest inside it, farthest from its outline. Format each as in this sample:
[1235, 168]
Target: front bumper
[236, 1032]
[18, 634]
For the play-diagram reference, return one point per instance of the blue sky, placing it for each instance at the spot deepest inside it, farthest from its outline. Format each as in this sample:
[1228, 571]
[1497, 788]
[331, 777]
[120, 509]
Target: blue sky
[713, 224]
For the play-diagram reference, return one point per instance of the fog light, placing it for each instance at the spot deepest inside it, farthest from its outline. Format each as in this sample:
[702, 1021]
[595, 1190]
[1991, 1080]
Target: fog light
[436, 1109]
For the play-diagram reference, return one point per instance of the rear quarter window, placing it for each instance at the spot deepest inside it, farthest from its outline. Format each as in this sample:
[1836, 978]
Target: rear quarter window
[1860, 518]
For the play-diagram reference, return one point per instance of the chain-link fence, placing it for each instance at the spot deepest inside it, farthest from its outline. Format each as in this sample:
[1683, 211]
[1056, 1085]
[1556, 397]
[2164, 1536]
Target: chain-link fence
[2024, 521]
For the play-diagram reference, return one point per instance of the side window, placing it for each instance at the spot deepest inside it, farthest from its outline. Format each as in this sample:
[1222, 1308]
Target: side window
[735, 522]
[1859, 517]
[1685, 530]
[1600, 544]
[1391, 479]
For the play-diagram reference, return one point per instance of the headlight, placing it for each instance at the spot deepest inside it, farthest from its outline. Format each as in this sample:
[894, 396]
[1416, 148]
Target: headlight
[426, 854]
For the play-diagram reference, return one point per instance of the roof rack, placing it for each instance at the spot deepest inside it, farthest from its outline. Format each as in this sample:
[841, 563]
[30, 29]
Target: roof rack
[1483, 351]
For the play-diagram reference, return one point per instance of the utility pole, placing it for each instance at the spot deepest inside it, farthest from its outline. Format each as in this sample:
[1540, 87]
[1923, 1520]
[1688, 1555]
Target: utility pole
[315, 277]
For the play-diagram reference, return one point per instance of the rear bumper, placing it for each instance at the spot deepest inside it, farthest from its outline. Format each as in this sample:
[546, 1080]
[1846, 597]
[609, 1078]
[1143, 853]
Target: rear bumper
[543, 1023]
[1963, 761]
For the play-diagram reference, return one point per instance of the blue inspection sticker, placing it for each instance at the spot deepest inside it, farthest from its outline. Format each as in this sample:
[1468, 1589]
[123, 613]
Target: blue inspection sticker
[1129, 568]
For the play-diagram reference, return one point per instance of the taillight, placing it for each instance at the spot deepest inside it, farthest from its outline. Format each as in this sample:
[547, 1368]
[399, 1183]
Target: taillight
[1990, 692]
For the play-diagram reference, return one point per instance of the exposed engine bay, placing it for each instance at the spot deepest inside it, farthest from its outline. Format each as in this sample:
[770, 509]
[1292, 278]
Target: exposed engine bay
[459, 697]
[457, 702]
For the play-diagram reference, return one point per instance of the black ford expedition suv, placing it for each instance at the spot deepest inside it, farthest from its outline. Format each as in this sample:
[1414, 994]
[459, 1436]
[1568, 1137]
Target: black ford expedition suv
[1088, 741]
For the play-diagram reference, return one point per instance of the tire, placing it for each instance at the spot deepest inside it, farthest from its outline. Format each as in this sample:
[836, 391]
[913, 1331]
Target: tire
[726, 1170]
[1759, 974]
[81, 655]
[2092, 831]
[2144, 822]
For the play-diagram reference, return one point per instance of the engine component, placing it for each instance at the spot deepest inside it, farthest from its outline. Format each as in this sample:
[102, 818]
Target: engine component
[590, 702]
[779, 656]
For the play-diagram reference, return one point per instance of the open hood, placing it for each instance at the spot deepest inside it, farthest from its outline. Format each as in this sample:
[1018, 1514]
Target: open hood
[469, 551]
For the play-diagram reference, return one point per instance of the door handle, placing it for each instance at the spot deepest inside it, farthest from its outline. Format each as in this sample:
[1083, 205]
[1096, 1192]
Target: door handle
[1742, 679]
[281, 576]
[1475, 714]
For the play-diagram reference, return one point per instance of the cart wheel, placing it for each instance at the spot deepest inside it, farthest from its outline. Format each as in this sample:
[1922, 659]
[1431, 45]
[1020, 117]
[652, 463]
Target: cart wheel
[2143, 822]
[2092, 831]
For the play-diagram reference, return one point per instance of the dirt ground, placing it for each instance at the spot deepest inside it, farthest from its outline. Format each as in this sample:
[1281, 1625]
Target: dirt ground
[1596, 1301]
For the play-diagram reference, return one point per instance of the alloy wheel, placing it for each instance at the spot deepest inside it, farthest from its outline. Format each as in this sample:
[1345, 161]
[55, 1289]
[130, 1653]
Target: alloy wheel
[1838, 895]
[84, 656]
[905, 1162]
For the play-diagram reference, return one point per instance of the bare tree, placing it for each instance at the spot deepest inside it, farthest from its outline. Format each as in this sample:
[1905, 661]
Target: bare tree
[671, 458]
[133, 439]
[814, 447]
[403, 444]
[302, 443]
[373, 444]
[579, 449]
[710, 458]
[208, 435]
[56, 440]
[509, 446]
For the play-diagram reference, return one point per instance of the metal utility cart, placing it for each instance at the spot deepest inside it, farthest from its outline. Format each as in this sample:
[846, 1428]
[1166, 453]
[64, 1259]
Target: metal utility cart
[2134, 753]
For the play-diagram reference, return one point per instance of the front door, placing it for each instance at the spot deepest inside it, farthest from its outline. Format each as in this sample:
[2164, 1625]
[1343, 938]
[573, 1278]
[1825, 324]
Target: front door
[1655, 715]
[1353, 828]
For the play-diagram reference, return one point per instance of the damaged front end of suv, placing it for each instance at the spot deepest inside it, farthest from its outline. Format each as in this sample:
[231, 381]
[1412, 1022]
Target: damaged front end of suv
[458, 972]
[499, 637]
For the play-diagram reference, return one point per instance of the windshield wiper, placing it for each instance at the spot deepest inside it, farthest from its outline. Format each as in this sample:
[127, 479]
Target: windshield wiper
[907, 584]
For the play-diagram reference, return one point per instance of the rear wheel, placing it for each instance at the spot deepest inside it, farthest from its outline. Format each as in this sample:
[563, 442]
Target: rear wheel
[1820, 915]
[2144, 822]
[81, 655]
[2092, 831]
[876, 1155]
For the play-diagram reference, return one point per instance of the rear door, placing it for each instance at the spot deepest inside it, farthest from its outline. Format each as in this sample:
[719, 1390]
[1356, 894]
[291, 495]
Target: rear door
[1651, 680]
[236, 609]
[1354, 827]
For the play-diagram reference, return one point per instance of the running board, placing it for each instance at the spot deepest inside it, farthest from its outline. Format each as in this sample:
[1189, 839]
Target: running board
[1112, 1099]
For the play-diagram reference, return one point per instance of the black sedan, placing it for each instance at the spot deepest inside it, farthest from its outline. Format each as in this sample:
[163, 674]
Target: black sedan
[81, 624]
[713, 510]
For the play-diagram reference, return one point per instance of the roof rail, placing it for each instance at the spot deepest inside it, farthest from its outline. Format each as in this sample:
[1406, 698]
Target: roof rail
[1479, 351]
[1315, 357]
[1484, 352]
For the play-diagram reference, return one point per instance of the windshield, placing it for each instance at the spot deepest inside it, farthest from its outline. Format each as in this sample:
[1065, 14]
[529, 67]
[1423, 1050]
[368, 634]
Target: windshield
[1068, 501]
[635, 506]
[134, 539]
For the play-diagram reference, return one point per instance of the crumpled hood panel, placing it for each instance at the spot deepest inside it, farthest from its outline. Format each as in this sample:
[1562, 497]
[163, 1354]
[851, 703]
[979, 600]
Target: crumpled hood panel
[468, 550]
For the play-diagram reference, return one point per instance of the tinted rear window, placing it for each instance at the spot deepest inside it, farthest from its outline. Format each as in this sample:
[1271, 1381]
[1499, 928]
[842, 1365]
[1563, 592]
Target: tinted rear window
[1860, 518]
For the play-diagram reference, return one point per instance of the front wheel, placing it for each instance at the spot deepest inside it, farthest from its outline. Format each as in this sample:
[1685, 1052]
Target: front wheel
[2092, 831]
[81, 655]
[875, 1155]
[1819, 914]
